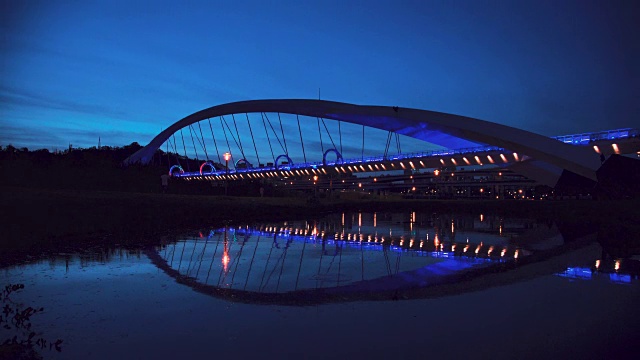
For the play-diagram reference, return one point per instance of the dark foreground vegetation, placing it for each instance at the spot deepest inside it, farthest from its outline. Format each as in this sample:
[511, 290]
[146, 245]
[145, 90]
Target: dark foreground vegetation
[51, 201]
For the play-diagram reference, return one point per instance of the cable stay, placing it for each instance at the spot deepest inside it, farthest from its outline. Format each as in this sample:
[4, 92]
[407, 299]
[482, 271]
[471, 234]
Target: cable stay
[268, 138]
[340, 132]
[286, 150]
[274, 133]
[398, 143]
[202, 256]
[212, 259]
[328, 133]
[253, 138]
[239, 145]
[204, 145]
[388, 144]
[235, 124]
[200, 141]
[185, 150]
[304, 245]
[251, 263]
[301, 142]
[320, 133]
[362, 142]
[194, 143]
[214, 141]
[225, 136]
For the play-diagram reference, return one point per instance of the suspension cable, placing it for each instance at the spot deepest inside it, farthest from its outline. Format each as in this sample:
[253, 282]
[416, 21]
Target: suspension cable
[201, 143]
[214, 141]
[386, 148]
[253, 138]
[185, 151]
[194, 143]
[225, 136]
[234, 137]
[301, 142]
[363, 142]
[286, 150]
[268, 138]
[328, 133]
[237, 133]
[340, 132]
[175, 148]
[274, 132]
[204, 145]
[320, 132]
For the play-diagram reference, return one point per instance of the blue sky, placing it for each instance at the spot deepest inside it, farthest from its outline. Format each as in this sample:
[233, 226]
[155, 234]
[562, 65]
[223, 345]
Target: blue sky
[73, 71]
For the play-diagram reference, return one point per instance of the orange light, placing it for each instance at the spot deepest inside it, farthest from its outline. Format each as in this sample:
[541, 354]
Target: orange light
[227, 156]
[596, 149]
[615, 148]
[478, 160]
[504, 158]
[454, 161]
[442, 161]
[436, 172]
[490, 159]
[466, 161]
[515, 156]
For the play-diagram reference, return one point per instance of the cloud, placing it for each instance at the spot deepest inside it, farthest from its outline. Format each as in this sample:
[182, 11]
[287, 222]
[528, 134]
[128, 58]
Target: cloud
[23, 98]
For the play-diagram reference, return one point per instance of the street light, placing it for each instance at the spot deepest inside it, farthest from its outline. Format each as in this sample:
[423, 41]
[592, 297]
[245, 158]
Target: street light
[226, 156]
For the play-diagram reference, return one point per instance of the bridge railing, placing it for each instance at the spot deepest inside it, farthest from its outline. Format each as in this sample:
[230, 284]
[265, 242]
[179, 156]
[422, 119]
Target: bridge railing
[586, 138]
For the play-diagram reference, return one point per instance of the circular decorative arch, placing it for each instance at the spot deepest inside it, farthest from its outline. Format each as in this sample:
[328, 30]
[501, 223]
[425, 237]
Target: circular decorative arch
[207, 163]
[174, 167]
[339, 157]
[243, 164]
[290, 162]
[448, 130]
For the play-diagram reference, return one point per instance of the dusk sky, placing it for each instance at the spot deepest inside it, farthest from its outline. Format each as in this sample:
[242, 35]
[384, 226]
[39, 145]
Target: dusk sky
[73, 71]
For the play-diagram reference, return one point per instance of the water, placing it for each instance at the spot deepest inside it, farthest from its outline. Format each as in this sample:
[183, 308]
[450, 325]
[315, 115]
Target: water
[345, 286]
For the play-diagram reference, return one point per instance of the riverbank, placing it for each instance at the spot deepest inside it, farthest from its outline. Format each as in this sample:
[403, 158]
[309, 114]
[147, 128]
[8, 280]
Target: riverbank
[37, 219]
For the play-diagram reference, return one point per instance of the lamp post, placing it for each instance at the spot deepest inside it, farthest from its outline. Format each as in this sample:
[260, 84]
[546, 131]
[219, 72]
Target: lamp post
[226, 156]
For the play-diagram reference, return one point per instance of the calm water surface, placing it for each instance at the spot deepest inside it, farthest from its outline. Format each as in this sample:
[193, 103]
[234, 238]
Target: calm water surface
[353, 285]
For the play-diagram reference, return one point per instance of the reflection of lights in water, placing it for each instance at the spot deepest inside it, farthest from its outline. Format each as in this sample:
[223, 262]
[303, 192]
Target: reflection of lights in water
[465, 248]
[359, 219]
[515, 254]
[225, 260]
[490, 250]
[421, 243]
[375, 221]
[453, 247]
[500, 229]
[401, 241]
[504, 251]
[452, 226]
[617, 265]
[411, 243]
[477, 249]
[343, 219]
[597, 264]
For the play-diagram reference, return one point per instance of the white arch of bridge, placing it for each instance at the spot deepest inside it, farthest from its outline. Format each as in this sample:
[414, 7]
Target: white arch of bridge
[430, 126]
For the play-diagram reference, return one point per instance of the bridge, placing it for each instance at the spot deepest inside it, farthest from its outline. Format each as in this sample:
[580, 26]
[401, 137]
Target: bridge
[331, 142]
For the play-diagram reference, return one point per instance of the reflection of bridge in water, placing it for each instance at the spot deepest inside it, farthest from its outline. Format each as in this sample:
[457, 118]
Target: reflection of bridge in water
[348, 256]
[264, 140]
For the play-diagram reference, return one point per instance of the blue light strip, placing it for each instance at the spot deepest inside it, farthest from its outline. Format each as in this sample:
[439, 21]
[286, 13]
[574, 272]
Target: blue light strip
[576, 139]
